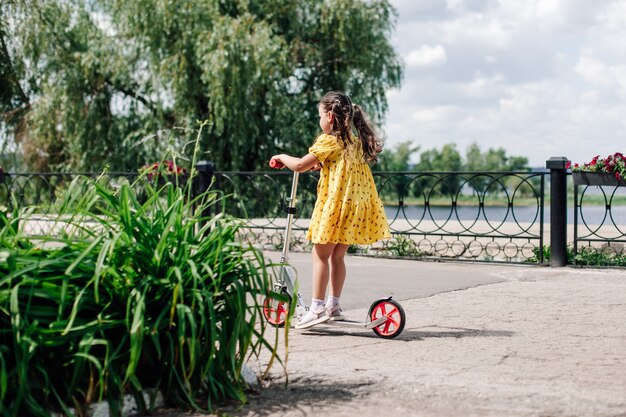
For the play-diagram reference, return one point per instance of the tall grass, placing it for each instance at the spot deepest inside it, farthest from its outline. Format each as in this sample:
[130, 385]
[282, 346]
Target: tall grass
[133, 294]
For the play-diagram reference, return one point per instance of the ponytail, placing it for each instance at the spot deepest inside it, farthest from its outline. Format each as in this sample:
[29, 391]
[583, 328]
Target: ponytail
[346, 115]
[372, 145]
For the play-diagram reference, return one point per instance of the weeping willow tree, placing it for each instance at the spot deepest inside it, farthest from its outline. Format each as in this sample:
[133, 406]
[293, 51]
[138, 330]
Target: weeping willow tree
[92, 82]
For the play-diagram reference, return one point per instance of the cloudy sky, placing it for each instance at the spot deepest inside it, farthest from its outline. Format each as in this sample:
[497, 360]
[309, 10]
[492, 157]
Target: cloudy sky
[540, 78]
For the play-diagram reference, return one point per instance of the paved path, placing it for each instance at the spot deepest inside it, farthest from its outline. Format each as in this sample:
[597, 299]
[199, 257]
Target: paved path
[500, 341]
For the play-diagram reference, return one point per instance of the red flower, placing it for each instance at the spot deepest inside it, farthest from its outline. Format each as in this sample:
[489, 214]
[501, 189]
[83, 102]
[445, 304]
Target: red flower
[167, 167]
[568, 164]
[614, 164]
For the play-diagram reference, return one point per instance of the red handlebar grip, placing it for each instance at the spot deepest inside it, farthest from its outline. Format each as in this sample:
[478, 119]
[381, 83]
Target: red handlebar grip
[275, 164]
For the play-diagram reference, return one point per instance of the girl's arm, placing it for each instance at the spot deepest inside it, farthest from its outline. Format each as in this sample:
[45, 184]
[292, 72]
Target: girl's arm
[297, 164]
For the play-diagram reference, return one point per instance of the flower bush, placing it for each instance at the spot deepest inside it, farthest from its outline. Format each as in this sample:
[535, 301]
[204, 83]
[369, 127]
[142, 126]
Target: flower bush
[613, 164]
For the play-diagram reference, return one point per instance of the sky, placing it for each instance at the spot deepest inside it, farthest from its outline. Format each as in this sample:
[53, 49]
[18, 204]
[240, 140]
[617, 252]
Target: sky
[539, 78]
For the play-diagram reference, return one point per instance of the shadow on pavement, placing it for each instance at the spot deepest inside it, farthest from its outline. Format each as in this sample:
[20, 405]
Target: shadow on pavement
[300, 394]
[414, 334]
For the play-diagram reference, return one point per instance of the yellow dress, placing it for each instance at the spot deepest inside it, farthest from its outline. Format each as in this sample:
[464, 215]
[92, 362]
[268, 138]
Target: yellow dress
[348, 209]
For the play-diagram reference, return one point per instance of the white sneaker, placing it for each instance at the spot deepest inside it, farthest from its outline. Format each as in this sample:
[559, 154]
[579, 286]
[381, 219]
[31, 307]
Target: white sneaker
[312, 318]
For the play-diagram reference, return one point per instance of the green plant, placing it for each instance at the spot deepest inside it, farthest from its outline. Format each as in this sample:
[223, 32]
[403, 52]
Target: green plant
[586, 256]
[403, 246]
[132, 295]
[537, 251]
[356, 249]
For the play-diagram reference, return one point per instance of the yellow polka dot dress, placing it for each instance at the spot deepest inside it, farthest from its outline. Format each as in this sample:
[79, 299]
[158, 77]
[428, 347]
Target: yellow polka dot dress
[348, 209]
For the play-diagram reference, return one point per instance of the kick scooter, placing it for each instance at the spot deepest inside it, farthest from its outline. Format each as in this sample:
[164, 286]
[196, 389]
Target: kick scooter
[385, 316]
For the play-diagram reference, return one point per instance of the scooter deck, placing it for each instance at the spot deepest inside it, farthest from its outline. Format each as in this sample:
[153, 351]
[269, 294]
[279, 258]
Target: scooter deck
[353, 323]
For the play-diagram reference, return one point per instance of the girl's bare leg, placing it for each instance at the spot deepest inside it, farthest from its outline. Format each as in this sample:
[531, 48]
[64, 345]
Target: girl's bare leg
[338, 269]
[321, 268]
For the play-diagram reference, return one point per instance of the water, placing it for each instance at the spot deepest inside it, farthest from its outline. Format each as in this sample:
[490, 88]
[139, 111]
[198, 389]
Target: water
[521, 214]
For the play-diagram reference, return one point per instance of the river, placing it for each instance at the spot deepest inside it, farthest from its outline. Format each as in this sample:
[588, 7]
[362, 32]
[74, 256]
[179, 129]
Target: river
[521, 214]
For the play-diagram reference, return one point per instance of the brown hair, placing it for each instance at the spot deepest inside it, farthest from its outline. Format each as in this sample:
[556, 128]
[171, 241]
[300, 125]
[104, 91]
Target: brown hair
[346, 115]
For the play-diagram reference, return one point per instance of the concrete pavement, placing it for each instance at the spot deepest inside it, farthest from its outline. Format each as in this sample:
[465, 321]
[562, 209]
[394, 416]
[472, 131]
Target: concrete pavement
[480, 340]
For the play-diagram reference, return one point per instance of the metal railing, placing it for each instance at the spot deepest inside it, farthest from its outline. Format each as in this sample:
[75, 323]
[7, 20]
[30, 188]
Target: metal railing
[480, 216]
[599, 225]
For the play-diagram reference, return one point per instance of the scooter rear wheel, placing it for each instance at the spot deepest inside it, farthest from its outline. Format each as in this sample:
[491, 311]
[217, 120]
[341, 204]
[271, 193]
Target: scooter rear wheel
[394, 312]
[275, 311]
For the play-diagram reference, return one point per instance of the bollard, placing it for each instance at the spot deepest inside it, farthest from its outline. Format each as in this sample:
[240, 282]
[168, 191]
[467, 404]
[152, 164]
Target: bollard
[558, 210]
[206, 170]
[205, 176]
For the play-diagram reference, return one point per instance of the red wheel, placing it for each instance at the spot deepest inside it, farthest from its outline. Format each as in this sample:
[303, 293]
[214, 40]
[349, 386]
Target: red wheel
[275, 311]
[394, 312]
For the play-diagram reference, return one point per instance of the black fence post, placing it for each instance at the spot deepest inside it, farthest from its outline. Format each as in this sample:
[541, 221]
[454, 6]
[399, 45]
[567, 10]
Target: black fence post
[558, 210]
[4, 176]
[206, 172]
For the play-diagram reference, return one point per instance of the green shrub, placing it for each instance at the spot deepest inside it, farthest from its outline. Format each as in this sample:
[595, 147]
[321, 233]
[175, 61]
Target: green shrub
[133, 294]
[402, 245]
[586, 256]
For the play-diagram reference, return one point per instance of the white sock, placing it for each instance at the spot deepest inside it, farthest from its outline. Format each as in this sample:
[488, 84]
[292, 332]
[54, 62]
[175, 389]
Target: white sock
[332, 301]
[316, 304]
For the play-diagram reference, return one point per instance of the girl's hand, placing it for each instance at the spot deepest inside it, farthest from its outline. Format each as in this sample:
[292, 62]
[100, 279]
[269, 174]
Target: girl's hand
[276, 163]
[293, 163]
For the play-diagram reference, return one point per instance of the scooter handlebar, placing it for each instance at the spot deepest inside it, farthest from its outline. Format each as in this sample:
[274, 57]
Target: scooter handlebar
[276, 164]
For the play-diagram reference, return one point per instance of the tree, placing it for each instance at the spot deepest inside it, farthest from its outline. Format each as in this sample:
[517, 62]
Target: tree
[492, 160]
[448, 159]
[397, 159]
[112, 81]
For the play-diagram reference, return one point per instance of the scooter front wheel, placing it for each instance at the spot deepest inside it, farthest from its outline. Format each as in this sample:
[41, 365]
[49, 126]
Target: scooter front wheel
[393, 311]
[275, 311]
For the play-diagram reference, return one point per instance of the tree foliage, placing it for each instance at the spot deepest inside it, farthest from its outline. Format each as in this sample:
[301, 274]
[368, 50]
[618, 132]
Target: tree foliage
[447, 159]
[94, 82]
[398, 158]
[493, 160]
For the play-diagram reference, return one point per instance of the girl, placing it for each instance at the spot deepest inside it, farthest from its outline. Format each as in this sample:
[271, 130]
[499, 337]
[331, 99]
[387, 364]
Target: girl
[348, 209]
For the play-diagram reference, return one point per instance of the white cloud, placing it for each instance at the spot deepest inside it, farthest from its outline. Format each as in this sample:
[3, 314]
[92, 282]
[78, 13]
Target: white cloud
[431, 114]
[594, 71]
[426, 55]
[540, 78]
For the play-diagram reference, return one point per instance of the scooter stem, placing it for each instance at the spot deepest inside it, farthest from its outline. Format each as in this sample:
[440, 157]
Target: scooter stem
[291, 209]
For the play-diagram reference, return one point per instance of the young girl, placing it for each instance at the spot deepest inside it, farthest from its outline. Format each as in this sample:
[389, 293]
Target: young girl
[348, 209]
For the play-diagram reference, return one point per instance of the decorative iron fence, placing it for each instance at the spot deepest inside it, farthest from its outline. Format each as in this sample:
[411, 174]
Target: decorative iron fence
[599, 225]
[42, 193]
[480, 216]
